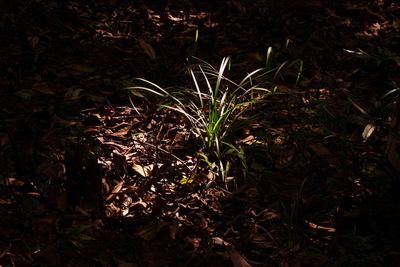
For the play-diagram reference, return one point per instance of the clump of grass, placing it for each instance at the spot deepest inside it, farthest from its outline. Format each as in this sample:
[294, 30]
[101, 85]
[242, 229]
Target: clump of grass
[214, 106]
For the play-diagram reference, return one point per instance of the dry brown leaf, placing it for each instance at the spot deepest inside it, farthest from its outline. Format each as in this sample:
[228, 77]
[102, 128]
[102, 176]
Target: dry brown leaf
[4, 140]
[92, 130]
[83, 68]
[148, 49]
[111, 209]
[173, 230]
[5, 201]
[317, 227]
[216, 206]
[131, 189]
[122, 132]
[106, 187]
[115, 190]
[148, 231]
[237, 259]
[285, 159]
[261, 242]
[13, 181]
[145, 171]
[43, 88]
[239, 6]
[34, 41]
[368, 130]
[120, 163]
[320, 149]
[194, 241]
[220, 242]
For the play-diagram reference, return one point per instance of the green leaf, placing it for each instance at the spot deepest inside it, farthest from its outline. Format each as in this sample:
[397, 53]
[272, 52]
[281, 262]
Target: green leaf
[187, 180]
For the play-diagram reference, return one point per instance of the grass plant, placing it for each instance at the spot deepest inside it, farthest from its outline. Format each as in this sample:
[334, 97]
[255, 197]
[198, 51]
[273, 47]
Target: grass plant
[215, 107]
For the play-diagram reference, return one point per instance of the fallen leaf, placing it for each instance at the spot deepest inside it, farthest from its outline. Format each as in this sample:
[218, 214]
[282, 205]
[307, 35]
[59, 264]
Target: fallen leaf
[173, 230]
[317, 227]
[85, 237]
[34, 41]
[148, 232]
[5, 202]
[116, 189]
[119, 162]
[220, 242]
[194, 241]
[122, 132]
[145, 171]
[25, 94]
[237, 259]
[4, 140]
[239, 6]
[320, 149]
[43, 88]
[74, 94]
[368, 130]
[83, 68]
[148, 49]
[12, 181]
[106, 187]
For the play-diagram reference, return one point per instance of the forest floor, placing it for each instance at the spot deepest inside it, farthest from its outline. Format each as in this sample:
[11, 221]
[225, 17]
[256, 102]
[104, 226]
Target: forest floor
[92, 174]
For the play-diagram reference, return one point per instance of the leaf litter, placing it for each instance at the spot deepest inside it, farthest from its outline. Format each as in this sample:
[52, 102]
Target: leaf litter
[318, 190]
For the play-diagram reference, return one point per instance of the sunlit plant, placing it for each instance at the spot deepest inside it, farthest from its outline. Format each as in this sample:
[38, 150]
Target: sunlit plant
[215, 109]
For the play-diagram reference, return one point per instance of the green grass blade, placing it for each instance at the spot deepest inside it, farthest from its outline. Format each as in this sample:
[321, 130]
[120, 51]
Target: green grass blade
[208, 84]
[197, 88]
[153, 84]
[221, 71]
[145, 89]
[279, 69]
[300, 72]
[251, 74]
[268, 61]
